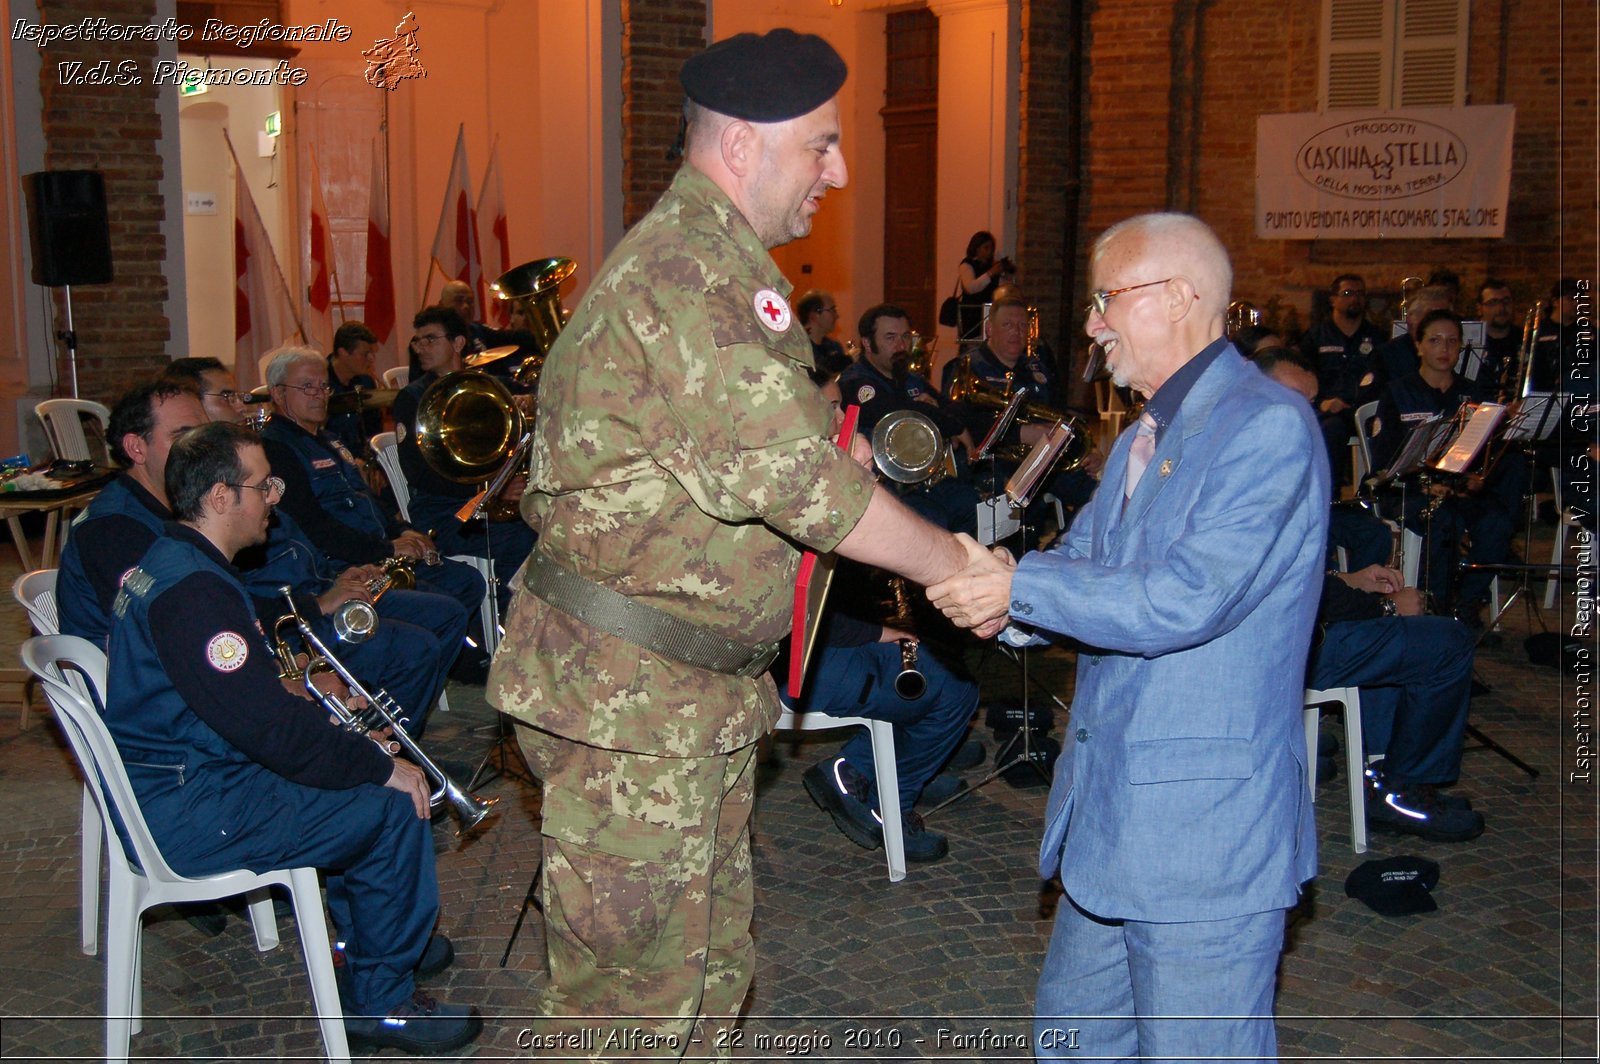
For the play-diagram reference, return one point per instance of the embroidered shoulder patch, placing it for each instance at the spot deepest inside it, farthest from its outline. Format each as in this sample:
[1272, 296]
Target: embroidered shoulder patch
[227, 651]
[772, 310]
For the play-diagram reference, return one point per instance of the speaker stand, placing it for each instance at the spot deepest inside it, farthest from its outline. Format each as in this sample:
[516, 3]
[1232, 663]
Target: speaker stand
[69, 336]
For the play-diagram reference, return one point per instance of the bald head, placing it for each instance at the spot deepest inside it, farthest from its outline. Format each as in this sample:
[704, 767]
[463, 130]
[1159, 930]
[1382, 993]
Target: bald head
[1164, 282]
[1184, 245]
[457, 295]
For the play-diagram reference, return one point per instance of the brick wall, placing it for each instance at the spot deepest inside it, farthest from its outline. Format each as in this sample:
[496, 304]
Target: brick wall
[1047, 169]
[657, 36]
[1172, 97]
[122, 327]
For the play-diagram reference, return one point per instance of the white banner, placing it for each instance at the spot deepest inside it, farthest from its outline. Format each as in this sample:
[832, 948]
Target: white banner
[1417, 173]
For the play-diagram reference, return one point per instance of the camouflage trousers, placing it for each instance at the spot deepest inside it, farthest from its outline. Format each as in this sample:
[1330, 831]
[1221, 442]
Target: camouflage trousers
[647, 899]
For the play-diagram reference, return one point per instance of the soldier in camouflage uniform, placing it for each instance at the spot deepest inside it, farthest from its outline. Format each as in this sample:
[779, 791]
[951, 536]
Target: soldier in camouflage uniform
[681, 454]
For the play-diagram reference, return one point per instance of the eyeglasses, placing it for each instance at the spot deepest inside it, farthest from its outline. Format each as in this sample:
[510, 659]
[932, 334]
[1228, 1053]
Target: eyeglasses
[227, 395]
[319, 388]
[1098, 300]
[269, 487]
[1346, 292]
[1500, 301]
[439, 338]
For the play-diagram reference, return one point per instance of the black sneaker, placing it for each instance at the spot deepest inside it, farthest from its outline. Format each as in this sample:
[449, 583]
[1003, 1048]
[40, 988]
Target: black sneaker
[436, 957]
[421, 1026]
[841, 792]
[1416, 812]
[941, 788]
[921, 845]
[969, 755]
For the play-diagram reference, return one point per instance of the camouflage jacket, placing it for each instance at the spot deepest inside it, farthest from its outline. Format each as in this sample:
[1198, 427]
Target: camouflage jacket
[681, 454]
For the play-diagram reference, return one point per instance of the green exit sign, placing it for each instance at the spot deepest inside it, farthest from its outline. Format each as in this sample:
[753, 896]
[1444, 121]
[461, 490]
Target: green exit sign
[274, 123]
[192, 87]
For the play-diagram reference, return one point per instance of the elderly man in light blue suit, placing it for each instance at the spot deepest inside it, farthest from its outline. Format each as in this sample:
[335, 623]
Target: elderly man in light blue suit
[1179, 819]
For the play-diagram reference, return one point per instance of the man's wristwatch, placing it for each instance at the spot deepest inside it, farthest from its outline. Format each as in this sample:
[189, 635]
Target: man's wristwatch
[1389, 607]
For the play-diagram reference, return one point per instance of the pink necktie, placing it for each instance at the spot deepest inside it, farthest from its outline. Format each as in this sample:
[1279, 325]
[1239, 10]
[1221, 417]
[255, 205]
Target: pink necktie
[1144, 446]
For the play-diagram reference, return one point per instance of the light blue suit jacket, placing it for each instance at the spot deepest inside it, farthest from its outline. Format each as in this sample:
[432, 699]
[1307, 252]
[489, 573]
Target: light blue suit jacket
[1181, 791]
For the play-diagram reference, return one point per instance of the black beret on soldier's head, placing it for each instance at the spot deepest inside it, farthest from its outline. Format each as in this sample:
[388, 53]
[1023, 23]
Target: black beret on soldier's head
[769, 77]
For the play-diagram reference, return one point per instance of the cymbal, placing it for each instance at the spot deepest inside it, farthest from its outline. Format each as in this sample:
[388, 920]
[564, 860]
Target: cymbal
[350, 402]
[493, 354]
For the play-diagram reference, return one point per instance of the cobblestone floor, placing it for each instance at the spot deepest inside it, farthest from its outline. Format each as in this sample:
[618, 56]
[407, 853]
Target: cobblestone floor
[854, 967]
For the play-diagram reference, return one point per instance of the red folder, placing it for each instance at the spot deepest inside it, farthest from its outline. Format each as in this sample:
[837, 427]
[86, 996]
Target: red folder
[811, 587]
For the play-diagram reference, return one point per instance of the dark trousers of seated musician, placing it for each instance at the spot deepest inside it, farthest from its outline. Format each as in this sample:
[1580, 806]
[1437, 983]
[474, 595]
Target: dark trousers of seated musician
[505, 543]
[231, 771]
[1486, 519]
[852, 675]
[1415, 675]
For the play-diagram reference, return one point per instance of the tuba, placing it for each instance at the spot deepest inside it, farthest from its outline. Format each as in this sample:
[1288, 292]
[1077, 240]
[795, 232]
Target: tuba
[535, 288]
[468, 424]
[919, 359]
[967, 387]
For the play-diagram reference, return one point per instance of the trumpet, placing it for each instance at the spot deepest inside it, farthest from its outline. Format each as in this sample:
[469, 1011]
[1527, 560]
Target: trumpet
[380, 712]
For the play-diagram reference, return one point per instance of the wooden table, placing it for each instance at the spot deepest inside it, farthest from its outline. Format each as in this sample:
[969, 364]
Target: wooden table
[55, 531]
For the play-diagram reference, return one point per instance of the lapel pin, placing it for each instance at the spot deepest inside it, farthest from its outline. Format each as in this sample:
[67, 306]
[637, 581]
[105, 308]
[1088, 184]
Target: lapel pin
[1166, 467]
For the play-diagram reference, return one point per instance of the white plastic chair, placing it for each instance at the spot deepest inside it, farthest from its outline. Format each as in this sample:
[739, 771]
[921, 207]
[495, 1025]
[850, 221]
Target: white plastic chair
[1558, 549]
[397, 377]
[63, 427]
[37, 593]
[883, 766]
[1109, 406]
[385, 445]
[135, 889]
[1349, 701]
[1364, 415]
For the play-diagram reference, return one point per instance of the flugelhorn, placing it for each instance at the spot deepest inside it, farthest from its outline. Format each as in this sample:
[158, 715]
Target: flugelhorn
[381, 712]
[967, 387]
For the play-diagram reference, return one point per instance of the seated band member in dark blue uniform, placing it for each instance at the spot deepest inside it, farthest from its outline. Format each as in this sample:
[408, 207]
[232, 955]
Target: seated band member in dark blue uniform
[328, 497]
[1415, 675]
[421, 633]
[350, 367]
[1339, 349]
[231, 771]
[879, 383]
[1003, 358]
[852, 674]
[1481, 508]
[439, 340]
[108, 539]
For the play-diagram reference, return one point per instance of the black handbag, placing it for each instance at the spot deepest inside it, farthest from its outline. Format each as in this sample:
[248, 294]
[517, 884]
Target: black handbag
[950, 309]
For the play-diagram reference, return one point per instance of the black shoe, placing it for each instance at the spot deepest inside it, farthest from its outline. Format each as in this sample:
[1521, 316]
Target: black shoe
[967, 757]
[1326, 769]
[941, 788]
[436, 957]
[921, 845]
[210, 918]
[422, 1025]
[1427, 793]
[1417, 811]
[841, 792]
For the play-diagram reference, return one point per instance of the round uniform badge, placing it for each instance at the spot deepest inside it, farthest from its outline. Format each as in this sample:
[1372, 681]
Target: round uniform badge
[1366, 347]
[865, 393]
[772, 310]
[227, 651]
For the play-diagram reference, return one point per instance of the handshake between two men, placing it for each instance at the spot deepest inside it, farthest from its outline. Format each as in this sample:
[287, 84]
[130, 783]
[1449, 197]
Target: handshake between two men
[979, 596]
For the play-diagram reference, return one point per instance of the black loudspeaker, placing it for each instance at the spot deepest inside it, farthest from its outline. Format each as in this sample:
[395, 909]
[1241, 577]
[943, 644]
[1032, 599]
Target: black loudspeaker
[68, 227]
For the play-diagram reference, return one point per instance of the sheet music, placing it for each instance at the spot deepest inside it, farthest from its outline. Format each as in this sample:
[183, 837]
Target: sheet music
[1535, 415]
[1415, 449]
[1474, 434]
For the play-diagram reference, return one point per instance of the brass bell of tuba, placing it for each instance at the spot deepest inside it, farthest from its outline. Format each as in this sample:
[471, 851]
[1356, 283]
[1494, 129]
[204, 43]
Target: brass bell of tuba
[535, 288]
[468, 424]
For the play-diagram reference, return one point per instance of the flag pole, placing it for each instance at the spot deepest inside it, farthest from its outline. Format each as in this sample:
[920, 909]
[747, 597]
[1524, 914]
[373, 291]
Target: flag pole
[288, 297]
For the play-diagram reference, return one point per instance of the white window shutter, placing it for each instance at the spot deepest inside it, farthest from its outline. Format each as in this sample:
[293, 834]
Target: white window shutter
[1431, 54]
[1357, 50]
